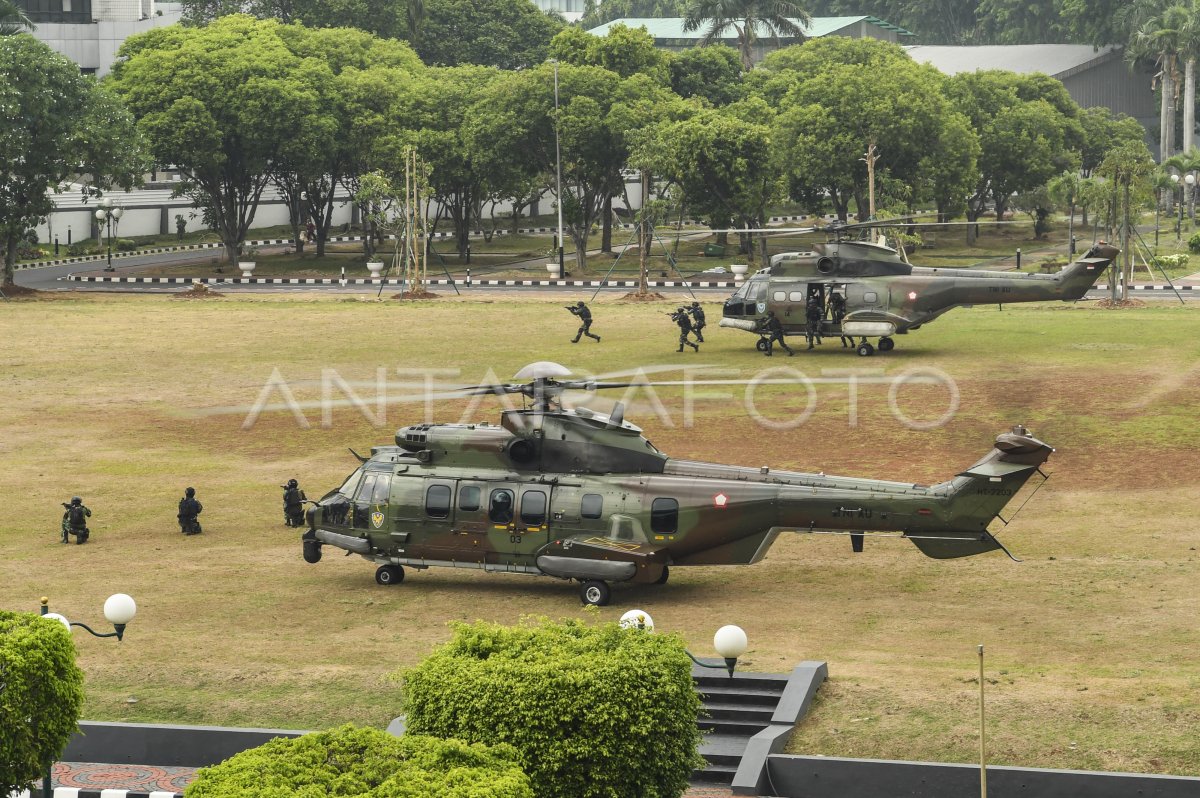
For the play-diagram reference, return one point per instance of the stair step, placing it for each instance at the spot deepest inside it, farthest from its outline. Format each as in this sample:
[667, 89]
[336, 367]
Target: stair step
[762, 681]
[735, 711]
[727, 695]
[735, 727]
[715, 775]
[718, 744]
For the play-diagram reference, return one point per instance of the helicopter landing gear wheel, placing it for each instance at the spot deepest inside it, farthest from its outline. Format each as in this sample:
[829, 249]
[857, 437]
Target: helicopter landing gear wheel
[595, 592]
[761, 346]
[389, 575]
[663, 577]
[312, 551]
[865, 349]
[886, 344]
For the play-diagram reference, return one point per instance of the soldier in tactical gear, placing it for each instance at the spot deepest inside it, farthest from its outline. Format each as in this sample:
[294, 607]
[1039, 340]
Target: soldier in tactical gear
[585, 321]
[697, 321]
[774, 330]
[189, 509]
[684, 320]
[293, 504]
[814, 311]
[74, 521]
[837, 313]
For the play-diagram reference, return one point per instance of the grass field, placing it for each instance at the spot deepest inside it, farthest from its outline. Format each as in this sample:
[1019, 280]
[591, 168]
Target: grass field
[1091, 640]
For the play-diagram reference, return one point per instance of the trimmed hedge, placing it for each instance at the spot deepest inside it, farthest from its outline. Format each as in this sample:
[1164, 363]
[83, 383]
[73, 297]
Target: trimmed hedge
[349, 761]
[41, 693]
[593, 710]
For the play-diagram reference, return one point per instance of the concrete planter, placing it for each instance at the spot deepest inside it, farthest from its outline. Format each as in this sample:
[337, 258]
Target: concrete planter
[247, 267]
[375, 267]
[739, 271]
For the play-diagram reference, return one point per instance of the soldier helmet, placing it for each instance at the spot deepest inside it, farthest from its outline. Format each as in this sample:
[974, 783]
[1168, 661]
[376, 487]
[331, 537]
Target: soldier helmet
[770, 313]
[190, 492]
[681, 310]
[695, 304]
[76, 500]
[292, 483]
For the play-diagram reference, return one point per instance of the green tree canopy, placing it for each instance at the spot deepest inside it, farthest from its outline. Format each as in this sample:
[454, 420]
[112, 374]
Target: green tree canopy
[624, 50]
[387, 18]
[13, 19]
[366, 763]
[713, 73]
[510, 34]
[593, 711]
[55, 126]
[41, 693]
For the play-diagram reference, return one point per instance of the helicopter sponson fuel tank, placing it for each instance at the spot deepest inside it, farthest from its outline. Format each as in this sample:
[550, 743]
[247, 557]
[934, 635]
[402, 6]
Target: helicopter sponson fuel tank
[575, 494]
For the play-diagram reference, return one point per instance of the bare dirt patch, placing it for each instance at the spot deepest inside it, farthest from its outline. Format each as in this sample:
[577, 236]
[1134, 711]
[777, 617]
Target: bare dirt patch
[198, 291]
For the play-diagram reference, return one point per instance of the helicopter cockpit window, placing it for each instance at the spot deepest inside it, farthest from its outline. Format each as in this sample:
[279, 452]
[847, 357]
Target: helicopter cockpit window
[533, 508]
[757, 291]
[437, 501]
[627, 528]
[500, 507]
[382, 489]
[362, 499]
[591, 506]
[468, 498]
[347, 488]
[664, 516]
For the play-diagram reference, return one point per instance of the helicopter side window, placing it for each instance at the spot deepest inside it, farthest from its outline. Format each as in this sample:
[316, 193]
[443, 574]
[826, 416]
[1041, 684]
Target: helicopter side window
[533, 508]
[437, 501]
[796, 296]
[664, 516]
[362, 500]
[591, 506]
[500, 507]
[779, 296]
[468, 498]
[870, 297]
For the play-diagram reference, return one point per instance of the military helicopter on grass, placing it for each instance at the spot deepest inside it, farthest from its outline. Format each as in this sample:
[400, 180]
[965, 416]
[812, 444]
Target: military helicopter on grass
[884, 294]
[578, 495]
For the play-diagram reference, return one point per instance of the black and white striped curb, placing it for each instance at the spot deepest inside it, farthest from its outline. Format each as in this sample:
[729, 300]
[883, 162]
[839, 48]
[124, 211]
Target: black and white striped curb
[1151, 287]
[219, 281]
[78, 792]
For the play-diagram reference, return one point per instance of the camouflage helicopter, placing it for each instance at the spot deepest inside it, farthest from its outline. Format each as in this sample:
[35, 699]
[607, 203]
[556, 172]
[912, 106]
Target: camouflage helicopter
[883, 294]
[578, 495]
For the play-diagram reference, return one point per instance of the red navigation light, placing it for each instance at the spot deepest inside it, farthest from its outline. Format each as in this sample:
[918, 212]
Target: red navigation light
[720, 499]
[912, 294]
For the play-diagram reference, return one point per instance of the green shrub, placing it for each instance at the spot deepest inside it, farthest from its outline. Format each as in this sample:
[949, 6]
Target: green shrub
[125, 245]
[41, 692]
[1194, 243]
[1178, 260]
[592, 710]
[81, 248]
[28, 253]
[365, 763]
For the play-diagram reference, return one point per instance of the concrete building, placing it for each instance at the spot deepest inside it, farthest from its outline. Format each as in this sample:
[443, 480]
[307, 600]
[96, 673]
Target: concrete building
[669, 34]
[1092, 77]
[89, 32]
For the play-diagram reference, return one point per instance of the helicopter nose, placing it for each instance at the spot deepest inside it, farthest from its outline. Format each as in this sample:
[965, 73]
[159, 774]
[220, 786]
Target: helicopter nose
[311, 516]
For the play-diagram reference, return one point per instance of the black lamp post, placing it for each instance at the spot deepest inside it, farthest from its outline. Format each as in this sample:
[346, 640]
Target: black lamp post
[119, 610]
[108, 214]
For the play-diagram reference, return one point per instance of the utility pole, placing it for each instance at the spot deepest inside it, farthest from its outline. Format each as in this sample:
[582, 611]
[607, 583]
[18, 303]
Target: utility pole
[644, 236]
[871, 158]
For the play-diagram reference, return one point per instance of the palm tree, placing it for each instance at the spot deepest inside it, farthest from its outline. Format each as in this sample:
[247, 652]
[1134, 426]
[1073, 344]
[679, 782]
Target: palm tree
[1160, 37]
[13, 19]
[1190, 49]
[747, 17]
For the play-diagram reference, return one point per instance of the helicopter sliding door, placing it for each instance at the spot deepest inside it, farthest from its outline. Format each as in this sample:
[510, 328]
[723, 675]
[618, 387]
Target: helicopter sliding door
[518, 524]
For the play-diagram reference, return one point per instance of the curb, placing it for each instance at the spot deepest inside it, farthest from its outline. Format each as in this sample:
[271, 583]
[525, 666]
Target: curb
[217, 281]
[77, 792]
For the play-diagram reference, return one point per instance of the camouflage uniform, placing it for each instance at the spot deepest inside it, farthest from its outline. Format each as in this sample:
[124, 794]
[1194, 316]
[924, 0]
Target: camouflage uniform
[189, 509]
[774, 331]
[698, 321]
[293, 504]
[74, 521]
[837, 313]
[684, 321]
[813, 313]
[585, 317]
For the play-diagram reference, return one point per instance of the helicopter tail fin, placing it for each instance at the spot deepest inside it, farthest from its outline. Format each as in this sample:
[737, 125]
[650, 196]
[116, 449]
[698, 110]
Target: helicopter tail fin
[978, 494]
[1079, 276]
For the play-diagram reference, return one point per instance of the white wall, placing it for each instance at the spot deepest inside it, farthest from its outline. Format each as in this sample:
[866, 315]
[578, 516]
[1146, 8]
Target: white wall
[94, 46]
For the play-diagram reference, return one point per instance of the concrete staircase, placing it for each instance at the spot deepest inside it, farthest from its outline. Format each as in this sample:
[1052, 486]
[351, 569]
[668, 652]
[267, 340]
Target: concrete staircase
[734, 711]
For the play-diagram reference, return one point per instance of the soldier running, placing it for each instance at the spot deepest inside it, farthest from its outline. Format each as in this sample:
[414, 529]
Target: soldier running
[189, 509]
[585, 318]
[697, 321]
[684, 320]
[74, 521]
[774, 330]
[293, 504]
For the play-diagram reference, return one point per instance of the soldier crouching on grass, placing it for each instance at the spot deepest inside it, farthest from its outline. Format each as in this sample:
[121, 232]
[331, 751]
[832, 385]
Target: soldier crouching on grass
[189, 509]
[74, 521]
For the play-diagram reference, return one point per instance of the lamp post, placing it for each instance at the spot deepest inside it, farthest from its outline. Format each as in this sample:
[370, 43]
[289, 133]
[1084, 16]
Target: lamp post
[558, 173]
[729, 641]
[108, 214]
[119, 610]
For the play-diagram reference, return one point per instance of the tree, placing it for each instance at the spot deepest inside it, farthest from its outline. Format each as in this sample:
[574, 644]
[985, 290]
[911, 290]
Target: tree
[52, 121]
[947, 174]
[1102, 132]
[1161, 37]
[593, 711]
[934, 21]
[597, 13]
[385, 18]
[1064, 190]
[13, 19]
[41, 694]
[623, 50]
[221, 103]
[747, 18]
[1128, 169]
[368, 763]
[509, 34]
[713, 73]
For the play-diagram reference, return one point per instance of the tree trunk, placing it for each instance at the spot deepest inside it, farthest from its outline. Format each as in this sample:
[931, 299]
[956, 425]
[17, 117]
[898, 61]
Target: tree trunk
[606, 225]
[1189, 106]
[1169, 92]
[10, 259]
[643, 237]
